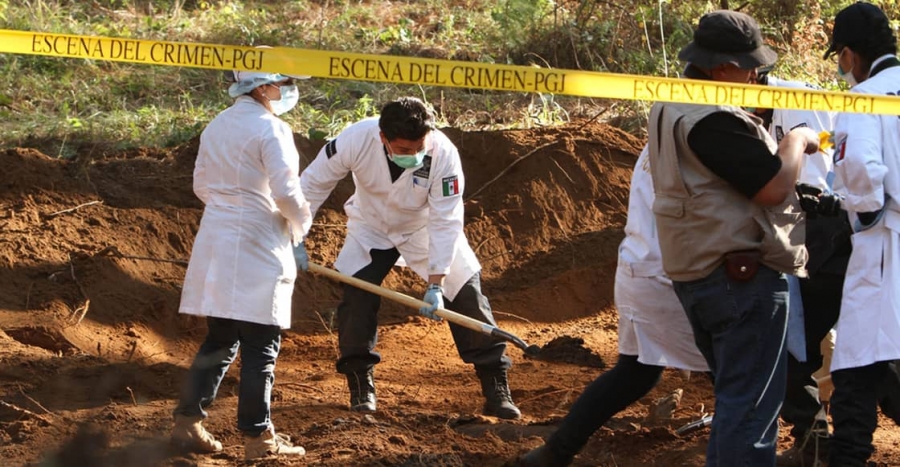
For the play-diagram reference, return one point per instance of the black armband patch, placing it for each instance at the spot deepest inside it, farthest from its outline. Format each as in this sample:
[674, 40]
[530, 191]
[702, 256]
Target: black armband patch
[331, 148]
[425, 170]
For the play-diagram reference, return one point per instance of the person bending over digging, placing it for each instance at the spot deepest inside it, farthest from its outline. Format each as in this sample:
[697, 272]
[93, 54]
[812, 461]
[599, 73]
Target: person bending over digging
[408, 202]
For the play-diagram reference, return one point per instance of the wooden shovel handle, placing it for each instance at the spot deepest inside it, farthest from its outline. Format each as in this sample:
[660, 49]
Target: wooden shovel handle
[402, 299]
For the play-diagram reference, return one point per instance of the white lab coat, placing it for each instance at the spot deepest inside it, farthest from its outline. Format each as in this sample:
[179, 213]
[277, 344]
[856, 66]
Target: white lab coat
[242, 266]
[867, 165]
[652, 322]
[421, 214]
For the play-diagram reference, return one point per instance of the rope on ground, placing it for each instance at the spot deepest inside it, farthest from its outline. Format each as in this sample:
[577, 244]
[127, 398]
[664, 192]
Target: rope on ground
[509, 167]
[25, 412]
[115, 253]
[80, 312]
[301, 385]
[539, 396]
[512, 316]
[64, 211]
[38, 404]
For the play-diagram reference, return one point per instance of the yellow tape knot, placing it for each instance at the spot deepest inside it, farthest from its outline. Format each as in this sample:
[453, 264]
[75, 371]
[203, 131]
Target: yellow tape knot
[826, 140]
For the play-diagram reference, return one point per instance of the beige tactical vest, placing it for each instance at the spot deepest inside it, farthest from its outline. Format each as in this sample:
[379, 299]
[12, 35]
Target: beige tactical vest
[700, 217]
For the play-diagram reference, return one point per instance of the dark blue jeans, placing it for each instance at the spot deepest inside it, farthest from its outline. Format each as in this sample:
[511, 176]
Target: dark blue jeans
[259, 344]
[740, 329]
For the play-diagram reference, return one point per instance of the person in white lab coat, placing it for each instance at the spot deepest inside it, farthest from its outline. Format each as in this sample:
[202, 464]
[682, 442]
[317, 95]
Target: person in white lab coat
[828, 244]
[242, 268]
[867, 167]
[408, 203]
[654, 333]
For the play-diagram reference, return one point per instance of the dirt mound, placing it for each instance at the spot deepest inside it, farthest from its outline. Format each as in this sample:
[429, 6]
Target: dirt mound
[93, 352]
[570, 350]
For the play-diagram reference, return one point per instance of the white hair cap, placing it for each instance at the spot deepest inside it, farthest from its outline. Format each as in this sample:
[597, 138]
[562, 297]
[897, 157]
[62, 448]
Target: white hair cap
[246, 81]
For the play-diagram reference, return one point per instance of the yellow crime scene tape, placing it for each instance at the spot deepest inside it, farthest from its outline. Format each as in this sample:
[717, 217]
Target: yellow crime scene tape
[436, 72]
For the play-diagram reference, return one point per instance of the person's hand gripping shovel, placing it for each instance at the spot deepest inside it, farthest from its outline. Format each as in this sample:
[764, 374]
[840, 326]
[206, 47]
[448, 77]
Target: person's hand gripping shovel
[431, 307]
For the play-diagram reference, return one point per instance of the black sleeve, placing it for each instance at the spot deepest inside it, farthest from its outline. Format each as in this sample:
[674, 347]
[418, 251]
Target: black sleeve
[734, 152]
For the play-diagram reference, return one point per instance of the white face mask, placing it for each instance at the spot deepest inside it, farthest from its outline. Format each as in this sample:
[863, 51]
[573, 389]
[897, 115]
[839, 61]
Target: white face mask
[289, 98]
[846, 76]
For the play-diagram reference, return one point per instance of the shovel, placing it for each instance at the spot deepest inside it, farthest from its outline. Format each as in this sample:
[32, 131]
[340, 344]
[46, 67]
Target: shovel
[451, 316]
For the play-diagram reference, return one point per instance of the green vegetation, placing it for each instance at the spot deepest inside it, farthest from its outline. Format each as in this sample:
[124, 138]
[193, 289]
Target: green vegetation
[68, 103]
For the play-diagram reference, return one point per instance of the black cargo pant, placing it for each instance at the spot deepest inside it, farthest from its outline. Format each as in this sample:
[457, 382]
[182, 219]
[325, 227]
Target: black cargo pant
[858, 392]
[358, 322]
[603, 398]
[821, 303]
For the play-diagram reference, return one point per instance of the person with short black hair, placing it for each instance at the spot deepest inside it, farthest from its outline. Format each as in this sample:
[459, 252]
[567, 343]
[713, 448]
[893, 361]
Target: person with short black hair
[867, 165]
[408, 203]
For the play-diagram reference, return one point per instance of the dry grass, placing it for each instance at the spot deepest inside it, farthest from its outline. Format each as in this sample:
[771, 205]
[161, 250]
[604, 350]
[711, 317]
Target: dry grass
[64, 104]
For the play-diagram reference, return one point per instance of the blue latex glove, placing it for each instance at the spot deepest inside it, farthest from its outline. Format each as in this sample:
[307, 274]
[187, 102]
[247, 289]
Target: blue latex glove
[434, 296]
[301, 257]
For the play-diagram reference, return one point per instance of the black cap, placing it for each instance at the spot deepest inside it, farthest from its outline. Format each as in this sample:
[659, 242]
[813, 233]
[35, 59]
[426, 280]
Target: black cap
[726, 36]
[857, 25]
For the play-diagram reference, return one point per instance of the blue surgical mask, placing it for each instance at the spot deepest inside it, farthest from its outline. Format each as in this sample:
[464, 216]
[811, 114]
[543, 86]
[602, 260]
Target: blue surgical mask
[409, 161]
[289, 98]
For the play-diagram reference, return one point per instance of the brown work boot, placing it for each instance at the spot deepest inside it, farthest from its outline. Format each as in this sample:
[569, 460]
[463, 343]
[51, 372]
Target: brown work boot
[362, 391]
[270, 444]
[189, 435]
[498, 400]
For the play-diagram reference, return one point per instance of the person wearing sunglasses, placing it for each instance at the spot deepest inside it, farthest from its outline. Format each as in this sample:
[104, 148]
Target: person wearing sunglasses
[730, 230]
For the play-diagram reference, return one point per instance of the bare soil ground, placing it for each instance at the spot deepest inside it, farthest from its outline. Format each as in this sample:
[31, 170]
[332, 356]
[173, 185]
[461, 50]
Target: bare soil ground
[93, 351]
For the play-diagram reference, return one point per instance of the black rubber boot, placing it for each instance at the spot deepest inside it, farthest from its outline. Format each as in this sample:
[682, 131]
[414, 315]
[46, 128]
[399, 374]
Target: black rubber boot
[498, 400]
[362, 391]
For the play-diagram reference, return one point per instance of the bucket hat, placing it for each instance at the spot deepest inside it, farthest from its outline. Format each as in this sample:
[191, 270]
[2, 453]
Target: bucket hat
[726, 36]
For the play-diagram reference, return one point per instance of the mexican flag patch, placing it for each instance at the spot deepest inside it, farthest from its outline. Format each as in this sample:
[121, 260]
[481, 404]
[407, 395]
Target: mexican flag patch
[841, 149]
[451, 185]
